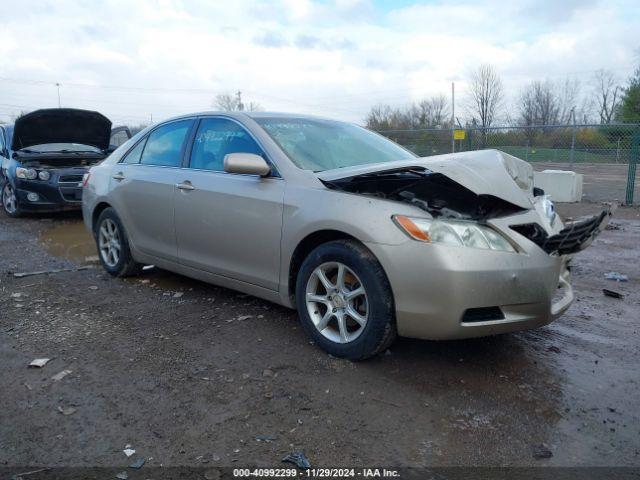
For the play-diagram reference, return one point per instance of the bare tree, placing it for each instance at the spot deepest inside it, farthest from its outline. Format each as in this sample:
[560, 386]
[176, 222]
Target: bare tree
[486, 95]
[384, 117]
[607, 95]
[431, 112]
[232, 103]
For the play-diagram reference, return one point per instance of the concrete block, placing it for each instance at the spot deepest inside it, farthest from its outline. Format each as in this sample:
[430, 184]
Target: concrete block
[560, 185]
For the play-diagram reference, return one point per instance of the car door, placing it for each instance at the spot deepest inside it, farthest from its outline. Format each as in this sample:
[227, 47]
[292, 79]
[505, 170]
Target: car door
[228, 224]
[143, 185]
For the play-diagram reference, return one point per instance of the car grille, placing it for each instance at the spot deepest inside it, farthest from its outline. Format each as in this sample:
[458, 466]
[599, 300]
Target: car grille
[70, 178]
[570, 240]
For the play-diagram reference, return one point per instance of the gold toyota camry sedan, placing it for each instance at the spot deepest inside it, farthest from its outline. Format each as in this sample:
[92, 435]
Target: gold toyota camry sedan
[366, 240]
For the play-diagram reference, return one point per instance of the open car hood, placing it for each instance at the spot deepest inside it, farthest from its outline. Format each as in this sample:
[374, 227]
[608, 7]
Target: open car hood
[485, 173]
[61, 125]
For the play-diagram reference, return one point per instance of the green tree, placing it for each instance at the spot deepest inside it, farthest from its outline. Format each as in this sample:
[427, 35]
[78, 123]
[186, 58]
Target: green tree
[629, 110]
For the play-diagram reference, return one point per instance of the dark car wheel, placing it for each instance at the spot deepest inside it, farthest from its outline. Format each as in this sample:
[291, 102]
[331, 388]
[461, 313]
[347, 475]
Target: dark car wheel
[10, 201]
[345, 301]
[113, 246]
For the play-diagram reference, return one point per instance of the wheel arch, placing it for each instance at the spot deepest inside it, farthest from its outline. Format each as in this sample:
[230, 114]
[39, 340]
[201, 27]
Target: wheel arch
[98, 209]
[307, 245]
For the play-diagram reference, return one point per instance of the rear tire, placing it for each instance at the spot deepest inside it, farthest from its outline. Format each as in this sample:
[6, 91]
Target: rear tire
[10, 201]
[345, 301]
[113, 245]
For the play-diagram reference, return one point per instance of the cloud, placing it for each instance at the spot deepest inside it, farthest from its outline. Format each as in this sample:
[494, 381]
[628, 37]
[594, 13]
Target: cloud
[335, 58]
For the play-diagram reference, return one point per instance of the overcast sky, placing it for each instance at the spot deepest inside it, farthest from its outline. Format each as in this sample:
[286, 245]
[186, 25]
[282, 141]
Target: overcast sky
[135, 59]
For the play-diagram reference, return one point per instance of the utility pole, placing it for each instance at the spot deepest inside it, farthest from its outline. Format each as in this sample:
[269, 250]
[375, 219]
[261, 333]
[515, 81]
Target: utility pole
[58, 87]
[453, 116]
[240, 105]
[573, 138]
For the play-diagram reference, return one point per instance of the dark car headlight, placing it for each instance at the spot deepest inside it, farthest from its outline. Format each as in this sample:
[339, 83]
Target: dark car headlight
[28, 173]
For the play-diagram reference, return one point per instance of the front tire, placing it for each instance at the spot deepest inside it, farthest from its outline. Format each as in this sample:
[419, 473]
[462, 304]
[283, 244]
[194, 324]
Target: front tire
[10, 201]
[345, 301]
[113, 245]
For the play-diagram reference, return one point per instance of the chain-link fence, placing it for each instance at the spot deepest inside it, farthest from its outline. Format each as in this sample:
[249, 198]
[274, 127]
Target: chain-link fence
[605, 154]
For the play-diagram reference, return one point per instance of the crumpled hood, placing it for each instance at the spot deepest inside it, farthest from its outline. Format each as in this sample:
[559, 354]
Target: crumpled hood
[61, 125]
[484, 172]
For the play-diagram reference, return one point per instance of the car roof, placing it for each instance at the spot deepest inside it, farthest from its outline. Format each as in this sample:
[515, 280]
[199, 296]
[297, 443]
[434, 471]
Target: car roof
[239, 115]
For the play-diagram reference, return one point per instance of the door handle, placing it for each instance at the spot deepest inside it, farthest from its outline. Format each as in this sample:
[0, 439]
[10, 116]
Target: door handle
[186, 185]
[118, 176]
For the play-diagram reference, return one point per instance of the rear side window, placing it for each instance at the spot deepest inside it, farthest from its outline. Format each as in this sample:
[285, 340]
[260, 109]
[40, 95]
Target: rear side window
[217, 137]
[164, 144]
[1, 142]
[134, 155]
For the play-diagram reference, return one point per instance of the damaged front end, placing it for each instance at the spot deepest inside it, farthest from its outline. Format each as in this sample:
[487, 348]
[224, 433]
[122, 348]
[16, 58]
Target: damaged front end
[575, 236]
[472, 187]
[430, 191]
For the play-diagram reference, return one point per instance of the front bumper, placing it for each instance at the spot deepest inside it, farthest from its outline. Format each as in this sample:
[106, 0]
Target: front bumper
[438, 288]
[63, 191]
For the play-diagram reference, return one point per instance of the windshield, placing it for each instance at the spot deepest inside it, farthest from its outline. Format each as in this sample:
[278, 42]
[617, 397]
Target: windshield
[61, 147]
[319, 145]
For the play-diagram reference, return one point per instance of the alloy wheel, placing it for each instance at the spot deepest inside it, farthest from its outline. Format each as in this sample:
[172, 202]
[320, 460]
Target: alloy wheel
[109, 242]
[337, 302]
[9, 200]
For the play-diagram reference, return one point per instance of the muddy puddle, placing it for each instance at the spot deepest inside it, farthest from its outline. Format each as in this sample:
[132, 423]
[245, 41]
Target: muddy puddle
[71, 241]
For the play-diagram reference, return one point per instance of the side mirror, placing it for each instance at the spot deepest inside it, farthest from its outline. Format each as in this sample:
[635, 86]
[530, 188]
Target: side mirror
[246, 163]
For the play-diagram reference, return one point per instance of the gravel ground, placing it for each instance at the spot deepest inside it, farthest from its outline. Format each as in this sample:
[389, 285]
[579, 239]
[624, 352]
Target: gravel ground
[190, 374]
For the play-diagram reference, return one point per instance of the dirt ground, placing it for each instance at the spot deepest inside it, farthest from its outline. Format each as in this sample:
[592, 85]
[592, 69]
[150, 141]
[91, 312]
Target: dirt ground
[191, 374]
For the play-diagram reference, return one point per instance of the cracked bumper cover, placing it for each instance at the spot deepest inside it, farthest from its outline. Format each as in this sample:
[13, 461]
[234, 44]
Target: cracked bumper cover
[434, 285]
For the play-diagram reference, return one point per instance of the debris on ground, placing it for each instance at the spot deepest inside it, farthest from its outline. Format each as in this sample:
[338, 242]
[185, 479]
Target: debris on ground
[265, 438]
[244, 317]
[178, 294]
[553, 349]
[298, 459]
[267, 372]
[59, 376]
[122, 476]
[618, 277]
[137, 464]
[541, 452]
[612, 293]
[66, 410]
[18, 476]
[47, 272]
[39, 362]
[612, 226]
[128, 451]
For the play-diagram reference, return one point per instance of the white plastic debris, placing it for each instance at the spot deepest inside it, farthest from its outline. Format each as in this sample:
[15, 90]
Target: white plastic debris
[129, 451]
[39, 362]
[59, 376]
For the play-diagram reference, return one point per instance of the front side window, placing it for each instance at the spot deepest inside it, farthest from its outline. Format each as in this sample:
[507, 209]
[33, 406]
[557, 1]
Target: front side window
[164, 144]
[315, 144]
[217, 137]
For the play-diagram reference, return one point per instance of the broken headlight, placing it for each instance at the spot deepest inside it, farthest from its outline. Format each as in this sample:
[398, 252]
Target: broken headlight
[548, 208]
[455, 233]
